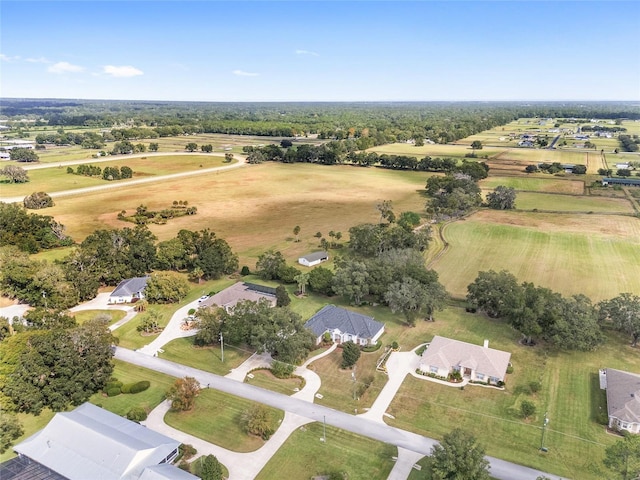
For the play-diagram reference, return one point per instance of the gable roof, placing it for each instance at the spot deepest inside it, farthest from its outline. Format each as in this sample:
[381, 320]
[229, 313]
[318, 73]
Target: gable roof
[331, 317]
[446, 353]
[130, 286]
[623, 395]
[312, 257]
[165, 471]
[90, 442]
[229, 297]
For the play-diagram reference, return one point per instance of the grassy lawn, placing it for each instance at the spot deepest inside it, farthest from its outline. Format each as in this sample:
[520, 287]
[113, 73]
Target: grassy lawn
[303, 455]
[570, 395]
[128, 373]
[266, 379]
[85, 315]
[562, 252]
[216, 418]
[571, 203]
[182, 350]
[532, 183]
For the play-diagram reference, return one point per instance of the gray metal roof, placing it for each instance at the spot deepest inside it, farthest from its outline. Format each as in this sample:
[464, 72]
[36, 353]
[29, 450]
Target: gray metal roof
[166, 472]
[312, 257]
[130, 286]
[331, 317]
[229, 297]
[92, 443]
[623, 395]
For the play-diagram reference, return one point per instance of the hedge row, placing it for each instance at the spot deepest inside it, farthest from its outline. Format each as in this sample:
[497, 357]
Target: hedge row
[114, 388]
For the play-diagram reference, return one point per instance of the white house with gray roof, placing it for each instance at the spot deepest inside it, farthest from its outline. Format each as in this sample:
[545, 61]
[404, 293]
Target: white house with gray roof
[313, 259]
[90, 442]
[623, 399]
[129, 290]
[477, 363]
[344, 326]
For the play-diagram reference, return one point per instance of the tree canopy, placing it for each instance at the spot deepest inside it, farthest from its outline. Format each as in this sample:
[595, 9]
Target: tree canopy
[458, 457]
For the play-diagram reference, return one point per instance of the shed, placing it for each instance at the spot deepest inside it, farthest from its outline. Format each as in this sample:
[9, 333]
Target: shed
[314, 258]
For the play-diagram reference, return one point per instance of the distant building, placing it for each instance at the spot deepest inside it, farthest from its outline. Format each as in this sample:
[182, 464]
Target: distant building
[625, 181]
[314, 258]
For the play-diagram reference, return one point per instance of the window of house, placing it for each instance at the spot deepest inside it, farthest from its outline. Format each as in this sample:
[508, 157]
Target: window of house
[433, 369]
[479, 376]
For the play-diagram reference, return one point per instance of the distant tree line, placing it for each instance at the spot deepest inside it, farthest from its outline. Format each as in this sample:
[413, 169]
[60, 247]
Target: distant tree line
[629, 143]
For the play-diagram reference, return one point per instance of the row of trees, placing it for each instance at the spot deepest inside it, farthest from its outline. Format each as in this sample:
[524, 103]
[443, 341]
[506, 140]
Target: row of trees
[109, 173]
[538, 313]
[84, 139]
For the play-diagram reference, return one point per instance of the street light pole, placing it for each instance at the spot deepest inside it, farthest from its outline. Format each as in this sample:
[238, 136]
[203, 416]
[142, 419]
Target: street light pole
[222, 347]
[324, 429]
[544, 428]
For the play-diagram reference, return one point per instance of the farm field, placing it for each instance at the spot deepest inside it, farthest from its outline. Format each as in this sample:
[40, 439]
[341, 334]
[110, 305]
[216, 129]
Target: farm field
[303, 455]
[572, 203]
[542, 183]
[562, 252]
[256, 202]
[435, 150]
[56, 179]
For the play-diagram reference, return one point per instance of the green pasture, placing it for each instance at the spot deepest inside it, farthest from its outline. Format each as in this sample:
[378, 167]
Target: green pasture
[569, 394]
[265, 379]
[216, 418]
[129, 373]
[535, 183]
[241, 205]
[209, 359]
[541, 155]
[596, 255]
[56, 178]
[303, 455]
[85, 315]
[53, 255]
[572, 203]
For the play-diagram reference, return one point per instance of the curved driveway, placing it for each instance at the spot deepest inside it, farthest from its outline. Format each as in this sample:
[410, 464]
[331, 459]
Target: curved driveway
[407, 440]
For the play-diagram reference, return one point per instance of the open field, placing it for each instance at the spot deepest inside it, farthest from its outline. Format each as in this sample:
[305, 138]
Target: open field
[535, 183]
[304, 456]
[572, 203]
[216, 418]
[260, 202]
[569, 394]
[84, 315]
[435, 150]
[266, 379]
[563, 252]
[56, 179]
[209, 359]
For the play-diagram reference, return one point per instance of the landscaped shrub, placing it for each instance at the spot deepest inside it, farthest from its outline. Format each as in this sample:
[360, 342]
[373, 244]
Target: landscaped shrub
[394, 345]
[126, 388]
[372, 348]
[137, 414]
[527, 408]
[281, 369]
[510, 369]
[245, 271]
[186, 451]
[112, 392]
[112, 384]
[140, 386]
[534, 387]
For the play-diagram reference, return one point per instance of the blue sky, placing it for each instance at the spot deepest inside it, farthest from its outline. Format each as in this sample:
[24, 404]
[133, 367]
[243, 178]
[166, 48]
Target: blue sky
[321, 51]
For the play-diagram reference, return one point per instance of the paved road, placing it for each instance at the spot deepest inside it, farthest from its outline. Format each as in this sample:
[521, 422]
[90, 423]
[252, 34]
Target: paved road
[410, 441]
[241, 161]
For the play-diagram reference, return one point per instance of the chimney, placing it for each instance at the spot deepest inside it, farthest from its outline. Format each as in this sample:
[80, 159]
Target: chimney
[486, 344]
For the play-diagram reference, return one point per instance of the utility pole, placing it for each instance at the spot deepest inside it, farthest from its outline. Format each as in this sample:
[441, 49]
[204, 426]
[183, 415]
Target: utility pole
[324, 429]
[222, 347]
[545, 422]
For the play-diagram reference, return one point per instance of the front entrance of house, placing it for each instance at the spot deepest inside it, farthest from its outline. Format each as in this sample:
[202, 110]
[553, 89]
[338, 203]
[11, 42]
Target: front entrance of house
[467, 372]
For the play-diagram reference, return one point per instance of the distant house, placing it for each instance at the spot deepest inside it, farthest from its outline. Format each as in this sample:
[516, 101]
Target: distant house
[238, 292]
[525, 143]
[622, 166]
[344, 326]
[477, 363]
[629, 182]
[129, 290]
[90, 442]
[5, 156]
[313, 259]
[623, 399]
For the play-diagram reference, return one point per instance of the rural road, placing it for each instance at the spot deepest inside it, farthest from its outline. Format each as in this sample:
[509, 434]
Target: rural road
[241, 161]
[500, 469]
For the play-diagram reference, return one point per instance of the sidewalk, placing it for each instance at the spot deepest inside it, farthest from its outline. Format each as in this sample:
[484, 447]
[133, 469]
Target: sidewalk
[172, 330]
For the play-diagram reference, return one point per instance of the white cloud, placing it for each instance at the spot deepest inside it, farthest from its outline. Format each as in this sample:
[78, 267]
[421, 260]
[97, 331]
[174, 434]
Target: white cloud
[37, 60]
[307, 52]
[242, 73]
[122, 71]
[65, 67]
[7, 58]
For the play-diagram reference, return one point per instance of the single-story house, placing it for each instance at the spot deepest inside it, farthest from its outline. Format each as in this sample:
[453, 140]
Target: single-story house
[313, 259]
[622, 166]
[229, 297]
[129, 290]
[623, 399]
[344, 325]
[90, 442]
[629, 182]
[477, 363]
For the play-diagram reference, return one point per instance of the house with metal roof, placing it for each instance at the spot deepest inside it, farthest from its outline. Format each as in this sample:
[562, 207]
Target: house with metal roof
[623, 399]
[477, 363]
[90, 442]
[628, 182]
[345, 325]
[129, 290]
[238, 292]
[313, 259]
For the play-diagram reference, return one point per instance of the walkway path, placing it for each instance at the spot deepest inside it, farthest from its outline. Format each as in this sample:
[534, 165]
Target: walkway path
[101, 302]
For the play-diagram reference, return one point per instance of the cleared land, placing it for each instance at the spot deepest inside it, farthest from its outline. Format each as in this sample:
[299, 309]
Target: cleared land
[596, 255]
[572, 203]
[209, 359]
[303, 456]
[435, 150]
[535, 184]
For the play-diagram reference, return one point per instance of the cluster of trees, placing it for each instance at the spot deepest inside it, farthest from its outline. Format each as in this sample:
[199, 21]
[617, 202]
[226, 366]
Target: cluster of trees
[629, 143]
[84, 139]
[502, 198]
[572, 323]
[109, 173]
[143, 215]
[278, 331]
[452, 195]
[29, 232]
[25, 155]
[14, 174]
[126, 147]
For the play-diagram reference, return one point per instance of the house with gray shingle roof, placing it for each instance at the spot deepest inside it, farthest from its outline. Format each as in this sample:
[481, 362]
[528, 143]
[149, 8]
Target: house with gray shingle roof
[239, 292]
[477, 363]
[623, 399]
[344, 325]
[90, 443]
[129, 290]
